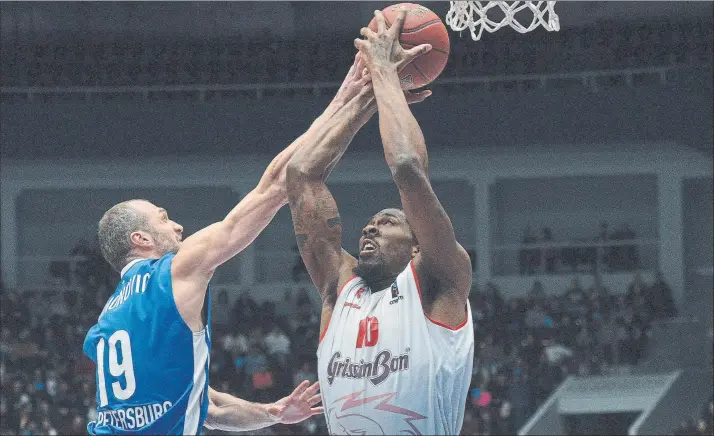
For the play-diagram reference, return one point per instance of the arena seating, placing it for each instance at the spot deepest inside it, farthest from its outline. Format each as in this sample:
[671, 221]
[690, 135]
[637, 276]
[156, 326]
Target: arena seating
[524, 348]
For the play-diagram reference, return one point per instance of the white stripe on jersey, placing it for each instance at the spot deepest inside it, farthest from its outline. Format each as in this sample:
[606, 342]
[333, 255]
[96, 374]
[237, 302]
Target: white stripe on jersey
[200, 364]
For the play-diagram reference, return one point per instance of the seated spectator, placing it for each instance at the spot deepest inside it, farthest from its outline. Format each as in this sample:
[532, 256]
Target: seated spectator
[597, 289]
[636, 296]
[575, 291]
[277, 344]
[660, 299]
[535, 317]
[536, 291]
[304, 373]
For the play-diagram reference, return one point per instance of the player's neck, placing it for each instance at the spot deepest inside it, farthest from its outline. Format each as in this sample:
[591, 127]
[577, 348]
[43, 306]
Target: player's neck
[380, 283]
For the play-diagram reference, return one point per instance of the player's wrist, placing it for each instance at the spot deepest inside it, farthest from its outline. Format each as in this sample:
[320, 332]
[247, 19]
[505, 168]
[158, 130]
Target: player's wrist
[272, 412]
[385, 76]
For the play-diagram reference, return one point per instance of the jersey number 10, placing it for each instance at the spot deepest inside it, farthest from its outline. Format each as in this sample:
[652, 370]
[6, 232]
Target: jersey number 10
[368, 332]
[120, 339]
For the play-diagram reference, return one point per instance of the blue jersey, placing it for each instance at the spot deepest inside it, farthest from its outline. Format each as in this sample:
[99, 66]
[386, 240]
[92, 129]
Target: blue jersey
[152, 370]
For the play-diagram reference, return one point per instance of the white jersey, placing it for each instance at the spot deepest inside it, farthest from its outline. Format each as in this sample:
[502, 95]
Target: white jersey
[386, 368]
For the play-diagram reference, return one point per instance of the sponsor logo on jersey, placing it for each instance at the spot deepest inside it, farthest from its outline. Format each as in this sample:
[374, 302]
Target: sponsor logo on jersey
[395, 294]
[377, 371]
[353, 305]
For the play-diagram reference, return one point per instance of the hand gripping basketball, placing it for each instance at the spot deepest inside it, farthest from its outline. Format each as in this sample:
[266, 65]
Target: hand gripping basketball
[381, 49]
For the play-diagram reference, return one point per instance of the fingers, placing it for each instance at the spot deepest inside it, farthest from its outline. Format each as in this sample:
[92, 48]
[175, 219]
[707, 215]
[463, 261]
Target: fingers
[396, 28]
[310, 392]
[417, 97]
[358, 65]
[300, 389]
[367, 32]
[366, 78]
[317, 410]
[360, 44]
[381, 22]
[417, 51]
[314, 400]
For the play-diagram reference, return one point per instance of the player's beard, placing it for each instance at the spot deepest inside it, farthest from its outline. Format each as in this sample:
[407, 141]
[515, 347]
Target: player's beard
[372, 269]
[165, 244]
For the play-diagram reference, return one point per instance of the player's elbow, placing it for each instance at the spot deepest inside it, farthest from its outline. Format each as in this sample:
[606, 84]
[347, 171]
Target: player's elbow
[299, 172]
[407, 169]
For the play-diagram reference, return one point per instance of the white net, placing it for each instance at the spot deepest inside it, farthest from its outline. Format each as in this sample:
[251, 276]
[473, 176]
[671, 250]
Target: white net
[474, 15]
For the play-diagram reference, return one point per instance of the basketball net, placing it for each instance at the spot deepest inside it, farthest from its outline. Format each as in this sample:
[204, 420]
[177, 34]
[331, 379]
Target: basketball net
[473, 15]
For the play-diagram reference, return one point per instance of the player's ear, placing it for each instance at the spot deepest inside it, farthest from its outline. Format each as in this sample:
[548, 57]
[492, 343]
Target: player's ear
[415, 250]
[141, 239]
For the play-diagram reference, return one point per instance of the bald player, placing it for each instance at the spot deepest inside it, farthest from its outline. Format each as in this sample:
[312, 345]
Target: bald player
[152, 341]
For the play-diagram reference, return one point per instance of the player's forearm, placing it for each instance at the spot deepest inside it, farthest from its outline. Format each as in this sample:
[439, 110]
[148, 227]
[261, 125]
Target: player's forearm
[239, 415]
[402, 137]
[325, 146]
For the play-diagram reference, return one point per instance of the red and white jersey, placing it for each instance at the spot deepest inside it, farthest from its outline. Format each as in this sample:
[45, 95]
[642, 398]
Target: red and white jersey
[386, 368]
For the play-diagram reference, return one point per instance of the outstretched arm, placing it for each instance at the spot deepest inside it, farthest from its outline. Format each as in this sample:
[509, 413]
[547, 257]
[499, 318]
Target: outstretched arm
[201, 253]
[228, 413]
[442, 263]
[318, 227]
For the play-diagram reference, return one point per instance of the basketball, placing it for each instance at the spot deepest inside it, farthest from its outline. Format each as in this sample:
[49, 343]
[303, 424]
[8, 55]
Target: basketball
[421, 26]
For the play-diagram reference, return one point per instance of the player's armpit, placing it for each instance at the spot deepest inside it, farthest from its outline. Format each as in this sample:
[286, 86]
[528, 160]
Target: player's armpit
[318, 231]
[443, 261]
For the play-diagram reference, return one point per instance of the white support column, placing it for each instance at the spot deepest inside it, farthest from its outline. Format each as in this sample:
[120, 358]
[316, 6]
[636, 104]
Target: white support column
[671, 242]
[8, 233]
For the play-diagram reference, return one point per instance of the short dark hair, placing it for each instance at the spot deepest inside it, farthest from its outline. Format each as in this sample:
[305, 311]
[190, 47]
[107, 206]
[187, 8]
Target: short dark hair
[114, 232]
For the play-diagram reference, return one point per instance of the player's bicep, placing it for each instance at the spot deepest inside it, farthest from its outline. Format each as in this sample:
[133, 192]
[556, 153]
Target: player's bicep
[318, 231]
[203, 252]
[193, 257]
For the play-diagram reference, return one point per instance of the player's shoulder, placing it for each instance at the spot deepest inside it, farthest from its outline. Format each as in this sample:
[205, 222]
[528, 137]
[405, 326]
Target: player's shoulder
[160, 264]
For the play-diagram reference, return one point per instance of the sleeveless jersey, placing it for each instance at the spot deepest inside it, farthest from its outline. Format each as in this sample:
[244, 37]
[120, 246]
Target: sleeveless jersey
[152, 370]
[386, 368]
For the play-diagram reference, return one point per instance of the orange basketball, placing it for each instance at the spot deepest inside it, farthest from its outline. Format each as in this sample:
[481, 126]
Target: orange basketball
[421, 26]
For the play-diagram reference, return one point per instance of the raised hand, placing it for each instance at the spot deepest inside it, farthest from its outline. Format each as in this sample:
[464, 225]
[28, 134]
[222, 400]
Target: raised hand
[297, 406]
[381, 49]
[357, 77]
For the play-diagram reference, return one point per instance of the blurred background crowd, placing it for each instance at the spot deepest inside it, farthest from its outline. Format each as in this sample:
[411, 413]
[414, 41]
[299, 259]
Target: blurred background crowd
[525, 347]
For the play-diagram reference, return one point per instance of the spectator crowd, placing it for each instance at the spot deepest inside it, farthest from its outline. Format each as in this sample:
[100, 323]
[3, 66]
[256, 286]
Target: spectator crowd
[524, 348]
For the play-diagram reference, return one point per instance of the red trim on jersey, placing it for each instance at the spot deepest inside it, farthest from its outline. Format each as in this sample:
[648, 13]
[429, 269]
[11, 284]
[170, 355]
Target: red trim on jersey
[416, 280]
[322, 335]
[345, 284]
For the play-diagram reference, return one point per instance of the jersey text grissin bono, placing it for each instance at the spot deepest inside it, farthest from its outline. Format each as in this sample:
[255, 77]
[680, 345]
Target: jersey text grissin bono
[377, 371]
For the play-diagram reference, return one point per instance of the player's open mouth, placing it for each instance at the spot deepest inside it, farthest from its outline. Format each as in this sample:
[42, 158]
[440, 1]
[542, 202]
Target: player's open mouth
[368, 247]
